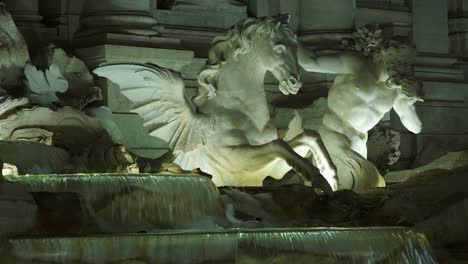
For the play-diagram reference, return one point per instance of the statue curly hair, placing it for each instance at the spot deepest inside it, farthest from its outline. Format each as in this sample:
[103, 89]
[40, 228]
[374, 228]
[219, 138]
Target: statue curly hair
[396, 57]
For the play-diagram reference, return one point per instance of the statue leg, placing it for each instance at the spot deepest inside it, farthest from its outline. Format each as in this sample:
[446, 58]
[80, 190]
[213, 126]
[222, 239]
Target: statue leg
[353, 170]
[262, 155]
[310, 140]
[360, 146]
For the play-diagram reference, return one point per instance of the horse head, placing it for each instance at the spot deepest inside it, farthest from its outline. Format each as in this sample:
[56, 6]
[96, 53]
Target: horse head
[276, 50]
[268, 40]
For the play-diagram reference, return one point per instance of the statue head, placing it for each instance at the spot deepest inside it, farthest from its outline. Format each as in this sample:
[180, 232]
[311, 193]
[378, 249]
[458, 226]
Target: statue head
[396, 59]
[390, 55]
[268, 40]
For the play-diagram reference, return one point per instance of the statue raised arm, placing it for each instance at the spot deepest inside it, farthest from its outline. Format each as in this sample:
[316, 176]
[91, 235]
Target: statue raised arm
[347, 62]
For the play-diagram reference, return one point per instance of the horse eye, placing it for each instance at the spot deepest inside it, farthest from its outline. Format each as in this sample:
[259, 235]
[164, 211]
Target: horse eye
[77, 74]
[279, 49]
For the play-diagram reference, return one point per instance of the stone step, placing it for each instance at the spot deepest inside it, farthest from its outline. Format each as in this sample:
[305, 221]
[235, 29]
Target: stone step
[298, 245]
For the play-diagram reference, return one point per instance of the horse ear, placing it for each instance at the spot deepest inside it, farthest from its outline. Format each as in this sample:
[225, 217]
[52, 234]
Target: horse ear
[278, 24]
[284, 18]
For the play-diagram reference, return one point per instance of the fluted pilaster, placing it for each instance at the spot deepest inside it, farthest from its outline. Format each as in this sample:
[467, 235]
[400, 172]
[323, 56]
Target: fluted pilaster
[458, 27]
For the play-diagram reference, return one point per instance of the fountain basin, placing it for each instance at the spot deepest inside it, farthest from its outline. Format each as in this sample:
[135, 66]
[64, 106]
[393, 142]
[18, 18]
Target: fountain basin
[83, 204]
[280, 245]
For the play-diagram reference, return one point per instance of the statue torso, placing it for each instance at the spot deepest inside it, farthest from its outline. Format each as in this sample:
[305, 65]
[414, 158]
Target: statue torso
[360, 101]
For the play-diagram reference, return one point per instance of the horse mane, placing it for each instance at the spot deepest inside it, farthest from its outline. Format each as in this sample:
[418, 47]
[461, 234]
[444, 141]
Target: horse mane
[235, 42]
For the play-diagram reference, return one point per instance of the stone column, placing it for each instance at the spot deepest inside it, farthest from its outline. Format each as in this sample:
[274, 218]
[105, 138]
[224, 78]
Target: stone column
[24, 12]
[458, 27]
[326, 21]
[57, 11]
[430, 26]
[62, 19]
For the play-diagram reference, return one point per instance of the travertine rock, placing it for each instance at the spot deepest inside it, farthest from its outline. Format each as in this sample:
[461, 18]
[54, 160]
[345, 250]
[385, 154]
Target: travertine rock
[383, 147]
[434, 202]
[9, 169]
[450, 161]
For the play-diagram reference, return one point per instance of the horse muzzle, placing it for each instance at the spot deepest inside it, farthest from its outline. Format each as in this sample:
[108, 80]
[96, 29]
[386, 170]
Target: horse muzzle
[290, 85]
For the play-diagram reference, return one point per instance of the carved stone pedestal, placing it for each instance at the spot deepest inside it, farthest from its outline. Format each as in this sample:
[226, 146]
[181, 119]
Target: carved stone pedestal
[121, 22]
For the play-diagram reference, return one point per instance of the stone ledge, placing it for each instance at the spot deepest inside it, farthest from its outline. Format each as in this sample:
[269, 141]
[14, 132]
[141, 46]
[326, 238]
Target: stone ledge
[106, 53]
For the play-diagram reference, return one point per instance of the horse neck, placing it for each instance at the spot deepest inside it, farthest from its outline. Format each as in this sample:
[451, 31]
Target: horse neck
[241, 87]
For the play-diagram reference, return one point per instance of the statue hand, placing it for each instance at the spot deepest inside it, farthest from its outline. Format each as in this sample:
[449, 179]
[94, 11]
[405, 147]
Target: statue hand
[411, 88]
[305, 56]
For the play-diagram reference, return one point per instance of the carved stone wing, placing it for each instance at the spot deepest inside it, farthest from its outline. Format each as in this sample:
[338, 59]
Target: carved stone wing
[45, 85]
[158, 96]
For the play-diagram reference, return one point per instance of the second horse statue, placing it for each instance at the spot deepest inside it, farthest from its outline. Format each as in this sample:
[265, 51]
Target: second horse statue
[226, 130]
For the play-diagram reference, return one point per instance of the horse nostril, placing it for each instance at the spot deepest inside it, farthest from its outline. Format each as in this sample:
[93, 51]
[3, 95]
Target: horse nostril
[293, 81]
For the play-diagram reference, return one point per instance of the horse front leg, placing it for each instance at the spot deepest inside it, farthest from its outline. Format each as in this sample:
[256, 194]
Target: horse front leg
[261, 155]
[310, 140]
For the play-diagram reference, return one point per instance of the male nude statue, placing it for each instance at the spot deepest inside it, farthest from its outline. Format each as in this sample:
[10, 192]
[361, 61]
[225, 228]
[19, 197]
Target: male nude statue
[370, 82]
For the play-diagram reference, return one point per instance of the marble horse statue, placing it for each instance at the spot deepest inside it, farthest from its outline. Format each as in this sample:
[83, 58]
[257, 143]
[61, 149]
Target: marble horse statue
[226, 130]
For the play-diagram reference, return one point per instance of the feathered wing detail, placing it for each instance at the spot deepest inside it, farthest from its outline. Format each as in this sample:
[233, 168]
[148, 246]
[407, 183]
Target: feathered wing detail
[158, 96]
[45, 85]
